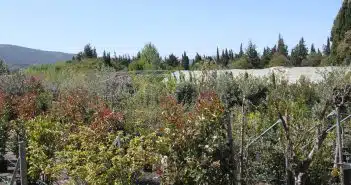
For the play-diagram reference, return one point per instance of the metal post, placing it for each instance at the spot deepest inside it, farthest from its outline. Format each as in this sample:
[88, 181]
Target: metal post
[228, 119]
[242, 135]
[23, 163]
[15, 172]
[339, 144]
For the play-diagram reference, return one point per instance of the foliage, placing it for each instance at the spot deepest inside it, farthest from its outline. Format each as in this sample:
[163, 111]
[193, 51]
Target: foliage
[344, 49]
[185, 61]
[149, 59]
[241, 63]
[44, 139]
[279, 60]
[342, 24]
[3, 68]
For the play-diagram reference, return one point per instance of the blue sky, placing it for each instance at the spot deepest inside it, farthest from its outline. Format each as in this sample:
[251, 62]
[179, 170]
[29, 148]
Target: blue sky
[200, 26]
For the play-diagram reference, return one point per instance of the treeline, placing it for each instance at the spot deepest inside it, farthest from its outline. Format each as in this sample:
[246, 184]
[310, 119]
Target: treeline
[247, 58]
[335, 51]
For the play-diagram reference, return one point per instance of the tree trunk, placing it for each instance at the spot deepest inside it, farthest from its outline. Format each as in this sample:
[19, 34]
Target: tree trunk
[300, 178]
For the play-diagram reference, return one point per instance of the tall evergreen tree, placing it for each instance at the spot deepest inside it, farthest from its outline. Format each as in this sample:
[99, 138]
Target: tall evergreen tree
[282, 48]
[185, 61]
[197, 59]
[266, 57]
[241, 52]
[326, 48]
[303, 50]
[342, 24]
[94, 53]
[172, 60]
[225, 58]
[299, 53]
[88, 51]
[274, 49]
[218, 57]
[231, 54]
[252, 55]
[313, 50]
[106, 57]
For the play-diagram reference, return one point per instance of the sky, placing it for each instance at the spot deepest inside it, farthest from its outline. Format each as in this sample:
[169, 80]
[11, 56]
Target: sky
[173, 26]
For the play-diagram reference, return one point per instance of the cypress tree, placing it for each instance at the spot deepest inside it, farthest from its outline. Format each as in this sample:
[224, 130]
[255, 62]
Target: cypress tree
[217, 56]
[241, 52]
[313, 50]
[342, 24]
[225, 58]
[326, 48]
[197, 59]
[185, 61]
[231, 54]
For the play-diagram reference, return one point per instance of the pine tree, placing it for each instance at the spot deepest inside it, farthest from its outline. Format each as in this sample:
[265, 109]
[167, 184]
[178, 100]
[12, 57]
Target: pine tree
[342, 24]
[88, 51]
[172, 61]
[252, 55]
[185, 61]
[282, 48]
[326, 48]
[266, 57]
[274, 49]
[303, 50]
[313, 50]
[299, 53]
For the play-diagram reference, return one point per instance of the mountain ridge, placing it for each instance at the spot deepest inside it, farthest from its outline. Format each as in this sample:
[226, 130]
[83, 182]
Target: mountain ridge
[15, 55]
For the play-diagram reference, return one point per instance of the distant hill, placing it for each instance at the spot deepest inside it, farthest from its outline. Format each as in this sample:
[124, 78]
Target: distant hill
[19, 57]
